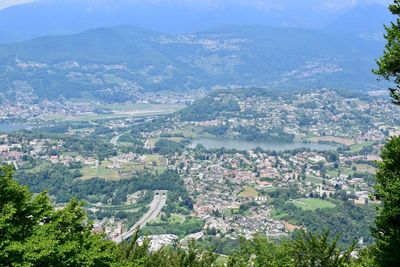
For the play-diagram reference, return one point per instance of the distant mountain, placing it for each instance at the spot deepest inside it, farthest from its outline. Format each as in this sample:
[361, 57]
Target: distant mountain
[56, 17]
[364, 21]
[115, 63]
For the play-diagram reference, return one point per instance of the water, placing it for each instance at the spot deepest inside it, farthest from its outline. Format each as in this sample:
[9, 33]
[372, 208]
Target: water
[212, 143]
[8, 127]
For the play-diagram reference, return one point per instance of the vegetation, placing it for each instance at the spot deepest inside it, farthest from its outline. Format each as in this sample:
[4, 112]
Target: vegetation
[313, 203]
[389, 63]
[387, 230]
[32, 233]
[64, 184]
[208, 108]
[305, 250]
[189, 226]
[349, 221]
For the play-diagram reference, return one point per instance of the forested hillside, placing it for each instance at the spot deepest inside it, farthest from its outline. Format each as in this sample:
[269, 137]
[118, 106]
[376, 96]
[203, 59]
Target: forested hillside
[122, 61]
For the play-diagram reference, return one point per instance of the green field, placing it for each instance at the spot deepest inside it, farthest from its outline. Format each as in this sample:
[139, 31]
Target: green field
[312, 203]
[248, 192]
[174, 218]
[101, 172]
[106, 170]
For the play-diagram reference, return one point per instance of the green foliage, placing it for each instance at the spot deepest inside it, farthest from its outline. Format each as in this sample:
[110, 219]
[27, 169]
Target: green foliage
[135, 254]
[217, 130]
[189, 226]
[167, 147]
[311, 250]
[389, 63]
[349, 221]
[306, 250]
[261, 252]
[387, 231]
[32, 233]
[254, 134]
[64, 184]
[208, 108]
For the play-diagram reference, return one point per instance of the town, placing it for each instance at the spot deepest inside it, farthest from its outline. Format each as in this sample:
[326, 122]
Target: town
[250, 169]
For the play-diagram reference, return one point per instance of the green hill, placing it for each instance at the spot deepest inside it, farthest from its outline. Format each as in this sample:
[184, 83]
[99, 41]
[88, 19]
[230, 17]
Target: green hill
[115, 63]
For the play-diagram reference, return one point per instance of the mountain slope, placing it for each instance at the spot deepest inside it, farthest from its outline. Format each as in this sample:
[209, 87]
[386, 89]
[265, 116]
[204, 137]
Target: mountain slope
[364, 21]
[125, 60]
[49, 17]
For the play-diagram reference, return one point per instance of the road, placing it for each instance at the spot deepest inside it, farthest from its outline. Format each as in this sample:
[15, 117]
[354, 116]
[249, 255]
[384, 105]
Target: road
[159, 200]
[115, 139]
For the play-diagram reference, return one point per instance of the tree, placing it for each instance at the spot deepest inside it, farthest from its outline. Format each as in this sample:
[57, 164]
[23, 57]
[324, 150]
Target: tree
[313, 250]
[33, 233]
[306, 249]
[389, 63]
[387, 230]
[136, 254]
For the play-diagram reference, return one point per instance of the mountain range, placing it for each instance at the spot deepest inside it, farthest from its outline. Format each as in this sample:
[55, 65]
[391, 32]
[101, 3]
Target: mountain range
[185, 48]
[49, 17]
[117, 62]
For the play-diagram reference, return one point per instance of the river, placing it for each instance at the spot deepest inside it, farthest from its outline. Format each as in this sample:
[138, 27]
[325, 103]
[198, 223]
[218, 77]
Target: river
[213, 142]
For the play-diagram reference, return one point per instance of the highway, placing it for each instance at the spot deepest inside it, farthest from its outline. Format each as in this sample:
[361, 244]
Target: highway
[156, 205]
[114, 140]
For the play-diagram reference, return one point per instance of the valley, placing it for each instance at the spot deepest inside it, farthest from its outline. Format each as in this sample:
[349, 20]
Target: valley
[235, 162]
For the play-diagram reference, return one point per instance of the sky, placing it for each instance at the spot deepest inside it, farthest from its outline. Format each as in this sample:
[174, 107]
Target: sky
[267, 5]
[9, 3]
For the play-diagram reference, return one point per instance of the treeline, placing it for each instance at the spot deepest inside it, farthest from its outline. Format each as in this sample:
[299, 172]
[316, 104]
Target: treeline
[64, 183]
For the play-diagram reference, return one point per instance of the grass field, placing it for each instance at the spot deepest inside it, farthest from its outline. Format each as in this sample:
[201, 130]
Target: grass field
[106, 169]
[176, 218]
[312, 203]
[248, 192]
[101, 172]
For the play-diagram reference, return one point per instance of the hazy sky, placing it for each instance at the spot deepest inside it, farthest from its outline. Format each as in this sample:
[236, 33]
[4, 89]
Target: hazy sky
[268, 5]
[8, 3]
